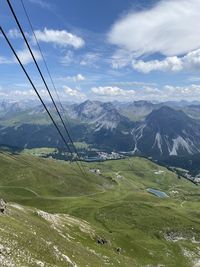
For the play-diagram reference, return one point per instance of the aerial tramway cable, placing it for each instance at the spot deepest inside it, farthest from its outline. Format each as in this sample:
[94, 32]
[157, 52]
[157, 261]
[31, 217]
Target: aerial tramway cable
[37, 93]
[51, 79]
[42, 77]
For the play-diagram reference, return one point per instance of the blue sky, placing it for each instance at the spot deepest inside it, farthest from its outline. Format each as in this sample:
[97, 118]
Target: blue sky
[108, 50]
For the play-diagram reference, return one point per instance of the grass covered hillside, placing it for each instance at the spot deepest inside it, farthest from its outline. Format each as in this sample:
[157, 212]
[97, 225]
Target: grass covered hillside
[105, 219]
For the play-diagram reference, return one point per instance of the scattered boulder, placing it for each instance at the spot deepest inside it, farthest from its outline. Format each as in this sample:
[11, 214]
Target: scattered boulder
[118, 250]
[2, 206]
[4, 250]
[101, 241]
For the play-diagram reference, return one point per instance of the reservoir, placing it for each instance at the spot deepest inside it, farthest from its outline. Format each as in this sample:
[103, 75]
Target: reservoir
[157, 193]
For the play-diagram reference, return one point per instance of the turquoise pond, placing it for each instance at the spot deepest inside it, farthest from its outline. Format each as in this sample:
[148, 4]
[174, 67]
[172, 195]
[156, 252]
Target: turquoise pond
[157, 193]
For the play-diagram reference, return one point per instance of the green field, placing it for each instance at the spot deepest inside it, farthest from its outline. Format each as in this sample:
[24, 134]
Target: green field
[138, 228]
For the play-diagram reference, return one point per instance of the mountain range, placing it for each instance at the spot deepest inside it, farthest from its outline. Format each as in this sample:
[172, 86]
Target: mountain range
[155, 130]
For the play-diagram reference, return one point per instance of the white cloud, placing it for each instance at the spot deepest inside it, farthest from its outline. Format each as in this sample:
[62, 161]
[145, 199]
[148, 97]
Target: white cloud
[76, 78]
[14, 33]
[28, 93]
[134, 84]
[190, 61]
[4, 60]
[108, 93]
[149, 93]
[112, 91]
[121, 58]
[90, 59]
[79, 77]
[17, 94]
[171, 28]
[75, 93]
[169, 92]
[168, 64]
[59, 37]
[26, 57]
[191, 92]
[20, 93]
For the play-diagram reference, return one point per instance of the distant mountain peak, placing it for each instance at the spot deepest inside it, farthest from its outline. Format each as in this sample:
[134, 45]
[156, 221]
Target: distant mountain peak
[166, 132]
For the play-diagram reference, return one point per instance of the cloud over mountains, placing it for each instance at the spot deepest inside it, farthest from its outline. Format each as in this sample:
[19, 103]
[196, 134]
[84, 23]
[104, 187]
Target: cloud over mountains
[170, 29]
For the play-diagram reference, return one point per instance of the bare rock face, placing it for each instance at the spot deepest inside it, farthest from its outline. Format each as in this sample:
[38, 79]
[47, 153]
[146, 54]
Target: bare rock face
[167, 132]
[2, 206]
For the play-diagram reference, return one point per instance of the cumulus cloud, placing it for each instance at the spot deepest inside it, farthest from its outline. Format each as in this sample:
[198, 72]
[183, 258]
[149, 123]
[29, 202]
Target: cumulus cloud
[191, 92]
[121, 94]
[76, 78]
[112, 91]
[190, 61]
[165, 93]
[18, 94]
[168, 64]
[75, 93]
[21, 93]
[26, 57]
[169, 92]
[59, 37]
[134, 83]
[171, 28]
[79, 77]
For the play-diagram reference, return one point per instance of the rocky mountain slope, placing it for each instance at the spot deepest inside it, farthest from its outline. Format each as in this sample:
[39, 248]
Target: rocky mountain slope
[99, 115]
[92, 121]
[167, 132]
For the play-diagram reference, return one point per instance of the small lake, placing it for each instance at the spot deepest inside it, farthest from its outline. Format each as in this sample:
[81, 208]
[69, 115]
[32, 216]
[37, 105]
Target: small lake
[157, 193]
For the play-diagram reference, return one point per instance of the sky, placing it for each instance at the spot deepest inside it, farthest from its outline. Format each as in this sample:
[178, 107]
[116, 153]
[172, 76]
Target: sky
[124, 50]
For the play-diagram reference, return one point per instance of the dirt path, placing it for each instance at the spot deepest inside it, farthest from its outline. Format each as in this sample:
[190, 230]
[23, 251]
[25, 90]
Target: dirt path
[20, 187]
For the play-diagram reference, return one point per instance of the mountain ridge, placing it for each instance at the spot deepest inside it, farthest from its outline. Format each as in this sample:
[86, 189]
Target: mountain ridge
[163, 132]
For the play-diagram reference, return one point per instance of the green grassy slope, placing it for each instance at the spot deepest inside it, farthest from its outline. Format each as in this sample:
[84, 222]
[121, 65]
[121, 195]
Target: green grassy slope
[31, 237]
[148, 231]
[25, 176]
